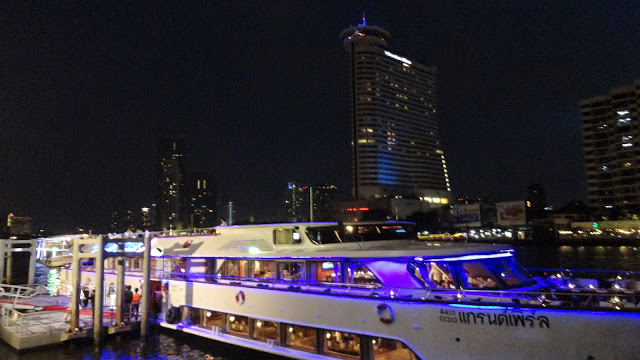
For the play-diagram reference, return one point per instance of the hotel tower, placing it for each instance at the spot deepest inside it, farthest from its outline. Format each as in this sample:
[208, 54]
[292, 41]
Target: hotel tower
[611, 129]
[396, 149]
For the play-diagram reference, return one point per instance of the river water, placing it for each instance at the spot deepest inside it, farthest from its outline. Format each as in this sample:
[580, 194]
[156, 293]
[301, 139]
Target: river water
[179, 346]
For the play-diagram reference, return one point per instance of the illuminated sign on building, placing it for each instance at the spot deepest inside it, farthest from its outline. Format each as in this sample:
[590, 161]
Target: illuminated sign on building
[397, 57]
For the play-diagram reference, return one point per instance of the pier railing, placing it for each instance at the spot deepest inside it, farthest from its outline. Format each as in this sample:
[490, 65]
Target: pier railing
[35, 323]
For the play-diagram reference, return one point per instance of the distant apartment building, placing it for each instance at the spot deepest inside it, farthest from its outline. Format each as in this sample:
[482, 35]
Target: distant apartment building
[611, 129]
[19, 225]
[396, 148]
[203, 200]
[309, 203]
[170, 197]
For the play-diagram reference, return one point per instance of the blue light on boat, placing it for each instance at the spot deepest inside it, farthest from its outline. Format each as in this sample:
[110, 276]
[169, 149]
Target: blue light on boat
[470, 257]
[478, 306]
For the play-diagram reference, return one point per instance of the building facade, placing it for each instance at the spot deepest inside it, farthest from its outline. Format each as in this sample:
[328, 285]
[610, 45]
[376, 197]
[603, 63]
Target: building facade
[170, 201]
[611, 129]
[309, 203]
[203, 200]
[396, 149]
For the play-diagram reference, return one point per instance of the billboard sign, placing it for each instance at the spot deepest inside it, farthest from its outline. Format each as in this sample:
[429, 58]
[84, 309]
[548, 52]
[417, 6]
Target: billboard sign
[466, 215]
[511, 213]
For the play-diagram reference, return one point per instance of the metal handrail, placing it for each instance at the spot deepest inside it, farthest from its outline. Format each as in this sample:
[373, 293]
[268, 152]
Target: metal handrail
[578, 298]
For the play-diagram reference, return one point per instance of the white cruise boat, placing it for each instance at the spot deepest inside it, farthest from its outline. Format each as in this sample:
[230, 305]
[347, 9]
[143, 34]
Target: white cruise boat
[370, 291]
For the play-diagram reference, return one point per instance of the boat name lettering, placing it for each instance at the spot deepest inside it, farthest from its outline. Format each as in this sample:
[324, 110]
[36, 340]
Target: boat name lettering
[492, 319]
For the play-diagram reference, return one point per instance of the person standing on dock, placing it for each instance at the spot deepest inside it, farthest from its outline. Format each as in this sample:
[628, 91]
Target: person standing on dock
[86, 286]
[128, 299]
[135, 303]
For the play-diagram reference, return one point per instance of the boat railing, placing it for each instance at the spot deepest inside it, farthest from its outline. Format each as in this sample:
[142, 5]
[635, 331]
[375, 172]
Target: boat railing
[602, 280]
[575, 298]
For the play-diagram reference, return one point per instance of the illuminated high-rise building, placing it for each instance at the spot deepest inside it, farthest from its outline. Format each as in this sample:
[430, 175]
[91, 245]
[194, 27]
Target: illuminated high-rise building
[170, 192]
[611, 129]
[203, 200]
[309, 203]
[396, 149]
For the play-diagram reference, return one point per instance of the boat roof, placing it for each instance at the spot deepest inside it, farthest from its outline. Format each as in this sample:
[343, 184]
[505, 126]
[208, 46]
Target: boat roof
[257, 241]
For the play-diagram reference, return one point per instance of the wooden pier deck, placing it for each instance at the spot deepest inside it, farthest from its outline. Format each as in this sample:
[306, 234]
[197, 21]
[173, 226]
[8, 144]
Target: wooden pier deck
[28, 329]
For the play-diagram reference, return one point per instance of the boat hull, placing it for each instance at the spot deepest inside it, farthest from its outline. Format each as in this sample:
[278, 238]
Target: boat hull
[433, 330]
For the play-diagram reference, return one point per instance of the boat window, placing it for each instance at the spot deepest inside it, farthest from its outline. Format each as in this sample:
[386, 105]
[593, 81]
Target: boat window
[417, 270]
[236, 268]
[357, 273]
[325, 271]
[210, 269]
[286, 237]
[388, 349]
[211, 318]
[264, 330]
[264, 269]
[291, 270]
[301, 338]
[341, 344]
[440, 274]
[323, 235]
[478, 276]
[190, 316]
[511, 273]
[238, 325]
[380, 232]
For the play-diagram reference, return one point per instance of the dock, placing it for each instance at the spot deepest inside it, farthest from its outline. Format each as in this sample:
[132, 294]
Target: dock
[47, 322]
[30, 317]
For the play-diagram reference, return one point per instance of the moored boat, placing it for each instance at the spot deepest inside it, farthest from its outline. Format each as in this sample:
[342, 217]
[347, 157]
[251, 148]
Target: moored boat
[371, 291]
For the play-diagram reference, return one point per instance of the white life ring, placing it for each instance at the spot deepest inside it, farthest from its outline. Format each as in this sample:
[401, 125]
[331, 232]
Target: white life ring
[385, 313]
[240, 297]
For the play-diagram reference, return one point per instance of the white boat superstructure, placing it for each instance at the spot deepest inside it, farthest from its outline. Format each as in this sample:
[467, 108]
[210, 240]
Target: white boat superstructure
[369, 291]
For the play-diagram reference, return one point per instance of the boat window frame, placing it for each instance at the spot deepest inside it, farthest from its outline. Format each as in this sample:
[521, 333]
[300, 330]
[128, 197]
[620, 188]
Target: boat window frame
[347, 278]
[303, 269]
[338, 278]
[293, 231]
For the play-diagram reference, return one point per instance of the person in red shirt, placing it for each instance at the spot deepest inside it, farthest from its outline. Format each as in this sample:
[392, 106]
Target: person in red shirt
[135, 303]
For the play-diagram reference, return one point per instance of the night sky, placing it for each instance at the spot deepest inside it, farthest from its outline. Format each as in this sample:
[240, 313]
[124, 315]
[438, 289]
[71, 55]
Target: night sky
[262, 90]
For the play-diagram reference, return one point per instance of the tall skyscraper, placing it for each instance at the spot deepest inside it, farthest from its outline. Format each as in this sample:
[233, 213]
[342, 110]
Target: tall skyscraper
[309, 203]
[295, 201]
[396, 149]
[203, 200]
[611, 129]
[170, 191]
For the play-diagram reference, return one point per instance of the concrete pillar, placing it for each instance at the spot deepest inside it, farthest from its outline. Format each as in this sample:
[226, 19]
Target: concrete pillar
[120, 284]
[146, 287]
[9, 262]
[3, 246]
[75, 291]
[98, 301]
[32, 261]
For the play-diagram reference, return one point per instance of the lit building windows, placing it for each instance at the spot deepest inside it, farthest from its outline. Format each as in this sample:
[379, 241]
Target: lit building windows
[624, 121]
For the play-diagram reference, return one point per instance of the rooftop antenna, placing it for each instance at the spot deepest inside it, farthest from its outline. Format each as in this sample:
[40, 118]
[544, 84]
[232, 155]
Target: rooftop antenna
[364, 19]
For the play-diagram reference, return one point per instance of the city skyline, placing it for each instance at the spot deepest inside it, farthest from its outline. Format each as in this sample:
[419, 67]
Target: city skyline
[263, 94]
